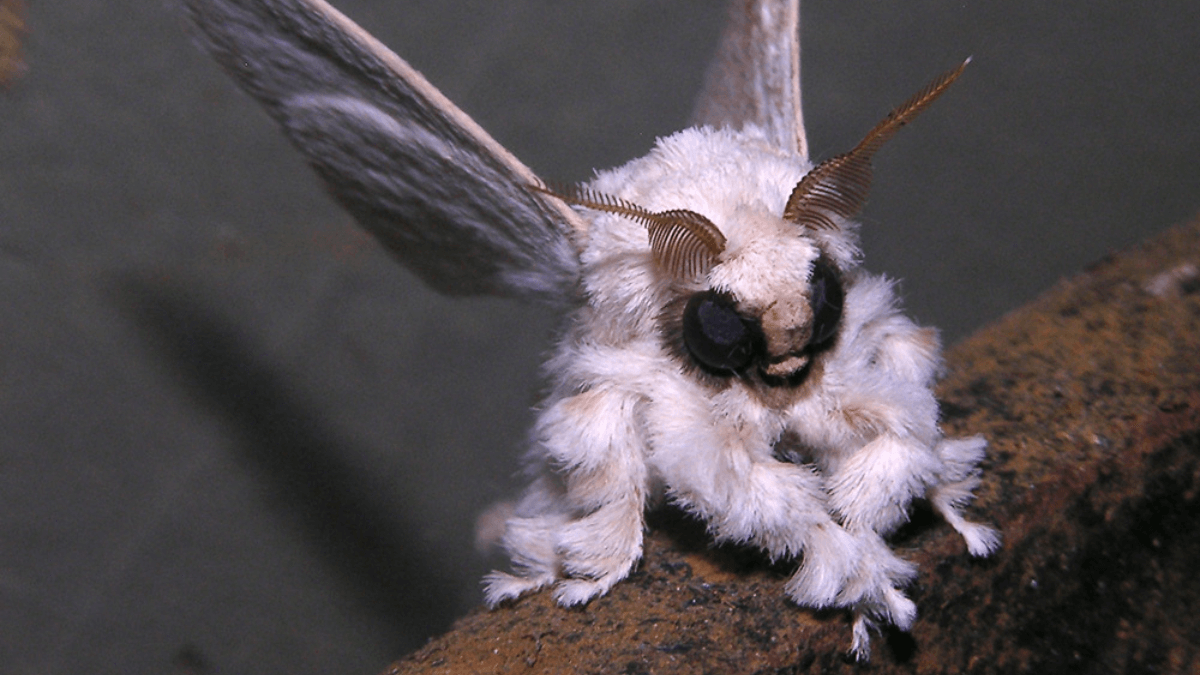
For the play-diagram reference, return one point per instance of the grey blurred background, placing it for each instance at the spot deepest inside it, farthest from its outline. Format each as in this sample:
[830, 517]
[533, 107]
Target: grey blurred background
[235, 437]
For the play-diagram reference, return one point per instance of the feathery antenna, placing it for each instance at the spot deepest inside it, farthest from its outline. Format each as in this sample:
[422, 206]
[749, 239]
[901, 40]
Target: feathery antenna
[683, 242]
[838, 187]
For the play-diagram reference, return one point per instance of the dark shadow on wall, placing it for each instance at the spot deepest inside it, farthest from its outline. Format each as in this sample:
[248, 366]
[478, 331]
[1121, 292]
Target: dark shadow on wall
[288, 447]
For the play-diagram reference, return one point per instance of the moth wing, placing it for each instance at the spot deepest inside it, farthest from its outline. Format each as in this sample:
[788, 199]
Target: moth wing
[413, 169]
[755, 75]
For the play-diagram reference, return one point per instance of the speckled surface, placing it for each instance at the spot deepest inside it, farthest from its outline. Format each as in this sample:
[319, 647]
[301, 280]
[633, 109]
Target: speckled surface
[1091, 398]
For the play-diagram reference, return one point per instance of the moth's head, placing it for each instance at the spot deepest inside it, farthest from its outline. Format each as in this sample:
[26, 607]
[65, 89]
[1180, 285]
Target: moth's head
[747, 293]
[757, 294]
[770, 304]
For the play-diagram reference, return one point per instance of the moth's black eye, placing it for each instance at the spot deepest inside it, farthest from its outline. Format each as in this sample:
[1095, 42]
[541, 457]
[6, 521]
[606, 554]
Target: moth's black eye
[715, 334]
[827, 297]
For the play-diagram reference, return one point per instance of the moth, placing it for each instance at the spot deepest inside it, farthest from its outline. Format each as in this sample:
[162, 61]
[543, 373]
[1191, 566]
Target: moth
[723, 348]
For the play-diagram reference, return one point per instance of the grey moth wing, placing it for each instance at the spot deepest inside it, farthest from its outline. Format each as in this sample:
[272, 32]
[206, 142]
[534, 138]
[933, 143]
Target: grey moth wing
[755, 75]
[440, 194]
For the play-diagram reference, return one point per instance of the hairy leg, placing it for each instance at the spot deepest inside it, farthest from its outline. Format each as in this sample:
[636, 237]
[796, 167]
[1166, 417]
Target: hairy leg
[580, 525]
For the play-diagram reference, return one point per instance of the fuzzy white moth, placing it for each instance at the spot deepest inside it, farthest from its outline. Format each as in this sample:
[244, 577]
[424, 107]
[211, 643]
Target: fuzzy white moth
[723, 347]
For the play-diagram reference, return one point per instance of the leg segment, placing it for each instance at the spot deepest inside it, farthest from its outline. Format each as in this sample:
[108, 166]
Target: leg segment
[580, 524]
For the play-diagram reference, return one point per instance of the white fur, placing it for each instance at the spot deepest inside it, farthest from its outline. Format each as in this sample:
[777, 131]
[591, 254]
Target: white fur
[624, 419]
[628, 419]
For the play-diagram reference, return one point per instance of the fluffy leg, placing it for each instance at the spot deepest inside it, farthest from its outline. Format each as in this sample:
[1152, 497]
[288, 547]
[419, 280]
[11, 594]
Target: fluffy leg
[781, 508]
[860, 646]
[959, 478]
[599, 550]
[873, 487]
[580, 526]
[530, 541]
